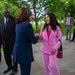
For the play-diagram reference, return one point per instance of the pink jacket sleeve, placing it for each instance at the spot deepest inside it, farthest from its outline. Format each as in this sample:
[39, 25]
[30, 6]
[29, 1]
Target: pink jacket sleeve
[59, 38]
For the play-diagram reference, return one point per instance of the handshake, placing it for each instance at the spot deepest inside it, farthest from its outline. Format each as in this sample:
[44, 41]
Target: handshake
[37, 34]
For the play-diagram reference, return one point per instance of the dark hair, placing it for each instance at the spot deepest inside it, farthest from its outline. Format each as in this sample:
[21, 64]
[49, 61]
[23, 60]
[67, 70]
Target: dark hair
[23, 15]
[5, 9]
[53, 21]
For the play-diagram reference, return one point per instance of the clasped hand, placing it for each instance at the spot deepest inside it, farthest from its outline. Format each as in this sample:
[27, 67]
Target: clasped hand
[53, 51]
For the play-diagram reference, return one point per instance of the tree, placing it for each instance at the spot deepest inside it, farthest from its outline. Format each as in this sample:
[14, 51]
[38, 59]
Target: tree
[40, 7]
[60, 7]
[55, 6]
[36, 7]
[13, 10]
[38, 10]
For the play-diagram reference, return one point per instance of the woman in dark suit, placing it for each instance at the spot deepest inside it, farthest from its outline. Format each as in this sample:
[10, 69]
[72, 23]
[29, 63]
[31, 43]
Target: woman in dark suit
[22, 51]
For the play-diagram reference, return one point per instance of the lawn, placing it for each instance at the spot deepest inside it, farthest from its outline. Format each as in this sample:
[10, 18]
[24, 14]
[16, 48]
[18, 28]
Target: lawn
[41, 23]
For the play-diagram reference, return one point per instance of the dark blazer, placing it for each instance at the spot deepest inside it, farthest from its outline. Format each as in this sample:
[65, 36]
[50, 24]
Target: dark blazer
[23, 44]
[0, 40]
[8, 34]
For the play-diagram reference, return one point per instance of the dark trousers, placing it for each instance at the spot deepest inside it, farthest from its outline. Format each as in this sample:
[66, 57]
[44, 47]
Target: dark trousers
[68, 32]
[0, 53]
[73, 35]
[8, 58]
[25, 69]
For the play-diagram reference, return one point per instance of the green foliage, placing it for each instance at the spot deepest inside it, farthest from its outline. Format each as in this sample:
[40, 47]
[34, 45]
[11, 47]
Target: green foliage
[13, 9]
[39, 26]
[36, 7]
[60, 7]
[63, 30]
[40, 7]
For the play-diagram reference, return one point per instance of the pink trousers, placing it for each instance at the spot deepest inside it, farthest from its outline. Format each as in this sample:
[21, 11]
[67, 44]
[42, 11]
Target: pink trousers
[50, 64]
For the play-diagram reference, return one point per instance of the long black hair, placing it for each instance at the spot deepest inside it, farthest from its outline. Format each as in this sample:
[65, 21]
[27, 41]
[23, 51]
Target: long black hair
[53, 22]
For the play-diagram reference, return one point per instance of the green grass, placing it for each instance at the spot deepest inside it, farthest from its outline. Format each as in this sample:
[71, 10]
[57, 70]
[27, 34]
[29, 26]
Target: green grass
[63, 30]
[39, 26]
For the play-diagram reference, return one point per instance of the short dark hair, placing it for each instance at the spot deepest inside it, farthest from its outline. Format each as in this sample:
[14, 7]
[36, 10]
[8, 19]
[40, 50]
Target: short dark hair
[5, 9]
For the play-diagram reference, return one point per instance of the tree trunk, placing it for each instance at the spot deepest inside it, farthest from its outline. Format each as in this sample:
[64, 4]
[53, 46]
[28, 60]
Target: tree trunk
[36, 23]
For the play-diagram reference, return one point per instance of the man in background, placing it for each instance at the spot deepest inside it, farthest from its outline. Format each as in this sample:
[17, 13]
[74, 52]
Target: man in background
[69, 21]
[7, 30]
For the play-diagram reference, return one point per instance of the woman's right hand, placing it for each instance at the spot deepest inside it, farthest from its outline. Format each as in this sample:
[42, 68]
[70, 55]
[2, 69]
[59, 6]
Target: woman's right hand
[53, 51]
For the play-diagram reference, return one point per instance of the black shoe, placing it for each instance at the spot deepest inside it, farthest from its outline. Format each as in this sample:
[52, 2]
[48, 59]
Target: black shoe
[0, 59]
[66, 39]
[71, 40]
[13, 72]
[7, 70]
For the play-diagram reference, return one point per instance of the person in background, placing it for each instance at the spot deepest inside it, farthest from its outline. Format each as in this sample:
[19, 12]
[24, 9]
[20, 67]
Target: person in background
[51, 37]
[7, 30]
[22, 51]
[0, 47]
[69, 22]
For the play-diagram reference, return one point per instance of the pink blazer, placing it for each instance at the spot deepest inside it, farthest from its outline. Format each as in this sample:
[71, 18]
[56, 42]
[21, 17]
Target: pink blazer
[53, 41]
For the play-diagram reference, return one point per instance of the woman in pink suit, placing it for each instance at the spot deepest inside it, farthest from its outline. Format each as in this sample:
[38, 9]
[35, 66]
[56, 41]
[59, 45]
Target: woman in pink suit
[51, 37]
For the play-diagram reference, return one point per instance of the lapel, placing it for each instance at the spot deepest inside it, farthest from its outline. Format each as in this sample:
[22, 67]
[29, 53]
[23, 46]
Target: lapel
[53, 34]
[45, 35]
[2, 24]
[9, 21]
[50, 34]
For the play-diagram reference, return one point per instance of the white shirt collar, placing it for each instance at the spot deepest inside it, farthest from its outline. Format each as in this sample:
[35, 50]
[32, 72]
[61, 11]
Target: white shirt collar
[5, 19]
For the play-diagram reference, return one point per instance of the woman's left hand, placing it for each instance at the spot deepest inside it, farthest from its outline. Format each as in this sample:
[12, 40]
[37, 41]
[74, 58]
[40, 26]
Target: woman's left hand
[37, 34]
[53, 51]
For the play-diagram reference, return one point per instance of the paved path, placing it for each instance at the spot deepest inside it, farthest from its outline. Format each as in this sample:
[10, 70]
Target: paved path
[66, 65]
